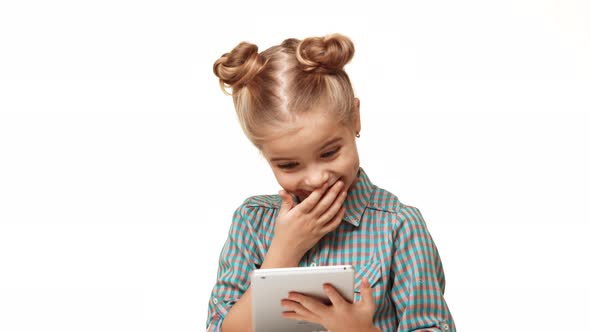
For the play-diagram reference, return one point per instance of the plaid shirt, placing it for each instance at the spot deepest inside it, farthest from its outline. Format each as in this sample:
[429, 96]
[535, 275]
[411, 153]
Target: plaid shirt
[385, 240]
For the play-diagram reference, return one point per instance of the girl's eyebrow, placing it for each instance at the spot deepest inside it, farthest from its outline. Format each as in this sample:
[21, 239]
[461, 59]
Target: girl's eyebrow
[330, 142]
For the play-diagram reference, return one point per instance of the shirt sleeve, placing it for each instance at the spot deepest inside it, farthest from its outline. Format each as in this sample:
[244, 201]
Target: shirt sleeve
[419, 280]
[237, 259]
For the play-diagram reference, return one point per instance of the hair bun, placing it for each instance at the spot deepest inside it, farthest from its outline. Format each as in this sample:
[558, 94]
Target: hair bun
[325, 54]
[236, 68]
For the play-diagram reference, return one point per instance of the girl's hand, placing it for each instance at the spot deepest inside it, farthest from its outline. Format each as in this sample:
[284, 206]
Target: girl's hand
[340, 315]
[299, 228]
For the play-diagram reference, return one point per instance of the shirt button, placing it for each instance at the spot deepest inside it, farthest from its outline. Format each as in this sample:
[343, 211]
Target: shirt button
[312, 264]
[215, 300]
[445, 326]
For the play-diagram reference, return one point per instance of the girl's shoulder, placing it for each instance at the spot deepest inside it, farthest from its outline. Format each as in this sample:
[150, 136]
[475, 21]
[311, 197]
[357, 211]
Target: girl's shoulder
[387, 202]
[384, 200]
[258, 206]
[368, 195]
[257, 211]
[266, 201]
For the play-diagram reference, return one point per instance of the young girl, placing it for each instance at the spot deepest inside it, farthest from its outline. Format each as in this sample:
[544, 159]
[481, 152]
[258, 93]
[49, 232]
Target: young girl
[295, 103]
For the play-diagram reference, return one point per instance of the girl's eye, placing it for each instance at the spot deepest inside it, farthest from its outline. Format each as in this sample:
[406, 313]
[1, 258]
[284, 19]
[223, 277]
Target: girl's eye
[330, 153]
[287, 166]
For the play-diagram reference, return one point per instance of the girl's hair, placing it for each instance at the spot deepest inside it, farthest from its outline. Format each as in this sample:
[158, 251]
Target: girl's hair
[285, 80]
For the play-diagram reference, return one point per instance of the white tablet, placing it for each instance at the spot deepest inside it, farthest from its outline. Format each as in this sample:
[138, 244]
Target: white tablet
[270, 286]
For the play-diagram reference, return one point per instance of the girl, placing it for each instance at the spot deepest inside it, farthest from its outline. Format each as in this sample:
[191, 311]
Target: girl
[296, 104]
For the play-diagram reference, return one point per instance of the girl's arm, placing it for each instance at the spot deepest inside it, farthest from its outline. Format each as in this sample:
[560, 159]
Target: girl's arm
[239, 318]
[419, 279]
[230, 303]
[238, 258]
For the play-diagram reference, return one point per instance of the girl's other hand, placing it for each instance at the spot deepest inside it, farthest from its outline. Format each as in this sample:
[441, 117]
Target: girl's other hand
[341, 315]
[299, 228]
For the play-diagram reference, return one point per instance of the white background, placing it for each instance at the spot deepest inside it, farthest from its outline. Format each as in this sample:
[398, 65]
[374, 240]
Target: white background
[121, 161]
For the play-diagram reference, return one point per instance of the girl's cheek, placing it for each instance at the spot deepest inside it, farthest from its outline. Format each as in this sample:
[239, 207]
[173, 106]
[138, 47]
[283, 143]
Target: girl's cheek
[289, 185]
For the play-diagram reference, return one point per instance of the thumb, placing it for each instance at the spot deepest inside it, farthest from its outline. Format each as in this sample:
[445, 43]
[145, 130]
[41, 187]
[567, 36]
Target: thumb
[287, 203]
[366, 292]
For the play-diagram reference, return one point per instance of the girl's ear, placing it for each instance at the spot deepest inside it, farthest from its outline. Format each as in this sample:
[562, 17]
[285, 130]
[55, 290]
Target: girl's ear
[357, 116]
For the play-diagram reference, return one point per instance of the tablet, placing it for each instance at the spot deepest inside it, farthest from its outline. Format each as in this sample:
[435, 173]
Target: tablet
[270, 286]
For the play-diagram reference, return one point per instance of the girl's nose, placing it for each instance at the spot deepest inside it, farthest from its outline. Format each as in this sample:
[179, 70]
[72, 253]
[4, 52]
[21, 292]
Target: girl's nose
[315, 179]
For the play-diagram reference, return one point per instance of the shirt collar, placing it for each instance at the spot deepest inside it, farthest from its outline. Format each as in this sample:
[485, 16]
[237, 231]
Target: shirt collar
[358, 198]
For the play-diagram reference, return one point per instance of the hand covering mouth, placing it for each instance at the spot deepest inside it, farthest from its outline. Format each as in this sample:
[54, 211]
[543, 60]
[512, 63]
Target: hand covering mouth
[302, 194]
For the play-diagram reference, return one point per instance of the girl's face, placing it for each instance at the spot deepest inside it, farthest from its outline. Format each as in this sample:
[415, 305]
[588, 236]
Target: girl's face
[319, 149]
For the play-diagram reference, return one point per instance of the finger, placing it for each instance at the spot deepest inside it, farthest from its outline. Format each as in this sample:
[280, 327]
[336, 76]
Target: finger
[366, 292]
[334, 209]
[296, 316]
[328, 199]
[312, 200]
[311, 304]
[287, 202]
[334, 296]
[296, 308]
[292, 315]
[334, 223]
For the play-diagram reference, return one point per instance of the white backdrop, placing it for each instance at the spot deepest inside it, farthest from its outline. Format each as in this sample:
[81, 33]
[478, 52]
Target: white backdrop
[121, 161]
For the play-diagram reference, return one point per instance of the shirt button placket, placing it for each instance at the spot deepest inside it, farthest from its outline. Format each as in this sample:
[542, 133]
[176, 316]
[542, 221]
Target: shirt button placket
[312, 258]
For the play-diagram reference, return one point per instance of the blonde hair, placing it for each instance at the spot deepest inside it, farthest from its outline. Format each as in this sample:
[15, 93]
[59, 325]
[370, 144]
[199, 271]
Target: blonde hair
[287, 79]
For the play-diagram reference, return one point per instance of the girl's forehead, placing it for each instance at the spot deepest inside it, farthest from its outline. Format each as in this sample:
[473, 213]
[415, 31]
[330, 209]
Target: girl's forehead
[306, 132]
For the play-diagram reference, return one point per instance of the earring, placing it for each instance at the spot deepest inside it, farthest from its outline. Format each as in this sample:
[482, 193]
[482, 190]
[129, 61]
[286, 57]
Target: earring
[358, 135]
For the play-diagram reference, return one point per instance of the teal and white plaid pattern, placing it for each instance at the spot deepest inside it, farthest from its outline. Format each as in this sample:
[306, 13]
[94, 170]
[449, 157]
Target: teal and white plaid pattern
[385, 240]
